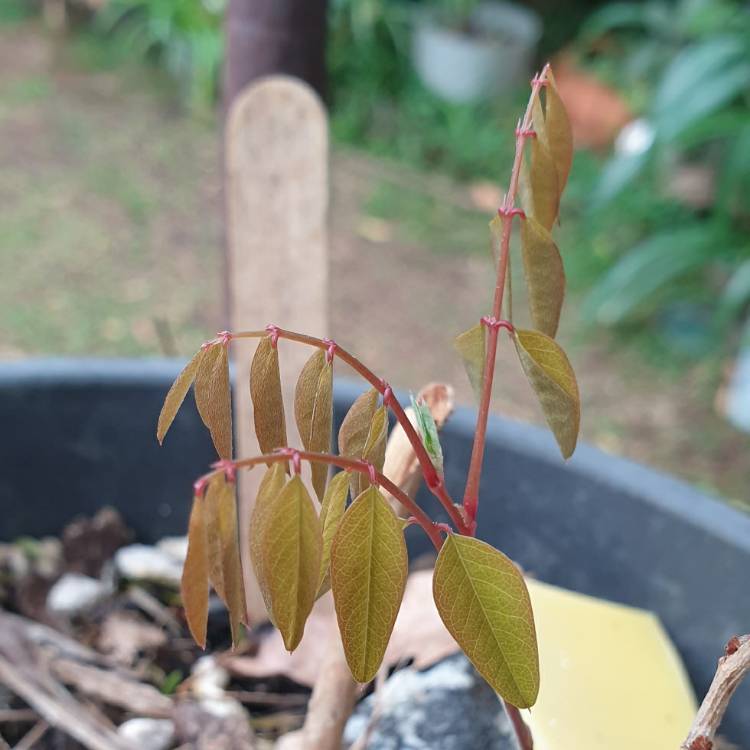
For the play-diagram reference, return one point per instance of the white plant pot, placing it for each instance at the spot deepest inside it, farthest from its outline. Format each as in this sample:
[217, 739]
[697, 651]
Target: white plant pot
[463, 67]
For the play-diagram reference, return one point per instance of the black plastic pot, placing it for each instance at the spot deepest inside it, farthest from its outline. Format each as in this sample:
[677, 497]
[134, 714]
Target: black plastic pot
[79, 434]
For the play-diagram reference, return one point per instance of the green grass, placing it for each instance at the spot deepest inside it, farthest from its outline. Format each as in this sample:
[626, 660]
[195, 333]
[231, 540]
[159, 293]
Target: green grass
[16, 11]
[419, 130]
[104, 226]
[424, 219]
[92, 51]
[31, 89]
[124, 188]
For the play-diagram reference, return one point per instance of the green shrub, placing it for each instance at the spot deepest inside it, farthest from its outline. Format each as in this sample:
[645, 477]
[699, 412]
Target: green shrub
[686, 66]
[185, 36]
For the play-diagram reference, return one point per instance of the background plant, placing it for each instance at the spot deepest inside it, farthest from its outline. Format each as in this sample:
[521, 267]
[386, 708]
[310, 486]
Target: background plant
[299, 547]
[684, 66]
[184, 35]
[456, 13]
[377, 102]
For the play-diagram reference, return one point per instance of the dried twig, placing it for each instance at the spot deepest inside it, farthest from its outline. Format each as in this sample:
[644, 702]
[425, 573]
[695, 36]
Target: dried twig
[330, 706]
[262, 698]
[36, 660]
[32, 736]
[58, 707]
[113, 688]
[34, 635]
[17, 715]
[730, 672]
[378, 705]
[154, 608]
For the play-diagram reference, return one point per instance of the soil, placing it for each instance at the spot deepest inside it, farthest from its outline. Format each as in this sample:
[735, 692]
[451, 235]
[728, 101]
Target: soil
[111, 242]
[124, 653]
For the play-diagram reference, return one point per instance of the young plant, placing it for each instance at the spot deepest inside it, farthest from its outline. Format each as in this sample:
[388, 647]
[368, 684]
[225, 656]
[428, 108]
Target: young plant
[301, 547]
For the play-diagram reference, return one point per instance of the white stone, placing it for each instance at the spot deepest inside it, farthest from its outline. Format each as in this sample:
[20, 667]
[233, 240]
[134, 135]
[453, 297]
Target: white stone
[148, 734]
[75, 593]
[224, 708]
[208, 678]
[174, 546]
[635, 138]
[141, 562]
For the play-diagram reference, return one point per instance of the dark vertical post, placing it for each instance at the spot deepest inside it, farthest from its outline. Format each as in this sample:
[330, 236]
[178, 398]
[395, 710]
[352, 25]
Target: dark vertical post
[274, 36]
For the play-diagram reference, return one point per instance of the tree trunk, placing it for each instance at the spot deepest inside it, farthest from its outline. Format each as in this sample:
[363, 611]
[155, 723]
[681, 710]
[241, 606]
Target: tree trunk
[274, 36]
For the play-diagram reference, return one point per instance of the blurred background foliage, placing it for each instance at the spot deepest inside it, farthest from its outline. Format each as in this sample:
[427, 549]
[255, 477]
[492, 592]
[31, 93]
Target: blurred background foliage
[656, 216]
[185, 36]
[668, 206]
[685, 68]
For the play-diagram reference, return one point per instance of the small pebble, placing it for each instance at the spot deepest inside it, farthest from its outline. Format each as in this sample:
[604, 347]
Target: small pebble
[75, 593]
[174, 546]
[208, 678]
[148, 734]
[141, 562]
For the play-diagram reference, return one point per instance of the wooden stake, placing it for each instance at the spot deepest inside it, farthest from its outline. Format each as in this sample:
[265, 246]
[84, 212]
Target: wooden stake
[277, 202]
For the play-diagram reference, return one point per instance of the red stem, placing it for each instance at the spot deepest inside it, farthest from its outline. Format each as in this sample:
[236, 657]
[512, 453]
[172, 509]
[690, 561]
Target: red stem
[523, 733]
[432, 479]
[430, 528]
[471, 492]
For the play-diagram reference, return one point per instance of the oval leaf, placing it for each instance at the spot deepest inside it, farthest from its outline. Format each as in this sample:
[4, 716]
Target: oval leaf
[368, 576]
[428, 432]
[270, 488]
[496, 238]
[559, 132]
[483, 601]
[213, 537]
[543, 185]
[224, 566]
[538, 121]
[374, 449]
[472, 346]
[176, 395]
[313, 411]
[355, 431]
[356, 425]
[268, 402]
[331, 512]
[194, 586]
[545, 276]
[554, 382]
[524, 188]
[213, 397]
[496, 242]
[291, 548]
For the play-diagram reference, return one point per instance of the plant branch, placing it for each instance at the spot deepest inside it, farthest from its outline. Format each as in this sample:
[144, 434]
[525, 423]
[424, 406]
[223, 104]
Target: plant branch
[730, 672]
[507, 212]
[335, 690]
[432, 479]
[523, 733]
[348, 464]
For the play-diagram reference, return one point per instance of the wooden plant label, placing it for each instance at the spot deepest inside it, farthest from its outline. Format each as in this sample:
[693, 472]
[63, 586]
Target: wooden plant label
[277, 202]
